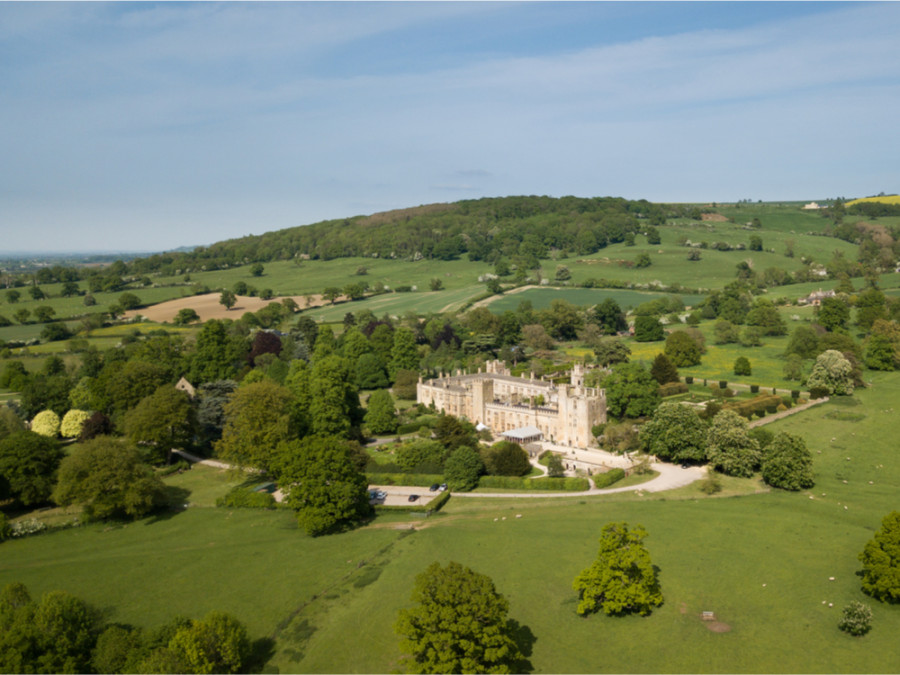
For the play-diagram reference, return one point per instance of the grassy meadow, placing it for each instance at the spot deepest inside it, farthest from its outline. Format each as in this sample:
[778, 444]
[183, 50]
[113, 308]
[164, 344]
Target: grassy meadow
[761, 561]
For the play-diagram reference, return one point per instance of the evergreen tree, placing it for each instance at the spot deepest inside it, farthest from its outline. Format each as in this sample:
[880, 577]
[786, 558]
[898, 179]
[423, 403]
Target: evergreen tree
[663, 370]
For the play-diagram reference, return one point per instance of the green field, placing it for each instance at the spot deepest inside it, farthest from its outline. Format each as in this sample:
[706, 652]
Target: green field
[540, 298]
[761, 562]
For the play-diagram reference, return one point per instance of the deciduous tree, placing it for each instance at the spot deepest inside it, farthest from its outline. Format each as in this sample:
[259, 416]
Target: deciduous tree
[381, 417]
[622, 580]
[323, 485]
[675, 433]
[787, 463]
[881, 561]
[630, 391]
[833, 373]
[257, 419]
[459, 624]
[28, 465]
[109, 479]
[505, 458]
[729, 447]
[682, 350]
[164, 420]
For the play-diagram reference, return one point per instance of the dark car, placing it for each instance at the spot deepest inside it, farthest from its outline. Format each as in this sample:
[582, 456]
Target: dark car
[434, 488]
[413, 498]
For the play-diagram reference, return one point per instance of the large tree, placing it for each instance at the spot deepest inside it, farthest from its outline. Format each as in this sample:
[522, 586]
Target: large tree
[28, 465]
[675, 433]
[216, 355]
[630, 391]
[881, 561]
[381, 416]
[663, 370]
[334, 408]
[505, 458]
[622, 580]
[162, 421]
[729, 446]
[323, 485]
[787, 463]
[648, 329]
[109, 479]
[404, 354]
[463, 468]
[55, 635]
[833, 313]
[257, 419]
[833, 373]
[682, 350]
[459, 624]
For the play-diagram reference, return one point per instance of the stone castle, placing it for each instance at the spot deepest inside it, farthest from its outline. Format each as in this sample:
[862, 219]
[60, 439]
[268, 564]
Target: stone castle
[562, 414]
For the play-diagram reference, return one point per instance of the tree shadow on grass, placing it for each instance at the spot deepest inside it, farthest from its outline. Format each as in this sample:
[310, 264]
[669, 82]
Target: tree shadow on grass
[261, 652]
[525, 640]
[174, 501]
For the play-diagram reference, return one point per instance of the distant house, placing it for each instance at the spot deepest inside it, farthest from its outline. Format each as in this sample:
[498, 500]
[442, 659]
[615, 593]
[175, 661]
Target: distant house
[186, 387]
[815, 298]
[811, 206]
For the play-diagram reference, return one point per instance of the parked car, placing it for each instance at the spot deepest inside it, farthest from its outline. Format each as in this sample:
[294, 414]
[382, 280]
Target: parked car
[434, 488]
[413, 498]
[442, 487]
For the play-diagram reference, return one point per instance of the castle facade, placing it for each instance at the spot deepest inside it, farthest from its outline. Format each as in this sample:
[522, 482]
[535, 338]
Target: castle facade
[563, 414]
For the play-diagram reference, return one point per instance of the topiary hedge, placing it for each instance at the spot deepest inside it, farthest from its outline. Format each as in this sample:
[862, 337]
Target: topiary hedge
[411, 479]
[606, 479]
[527, 484]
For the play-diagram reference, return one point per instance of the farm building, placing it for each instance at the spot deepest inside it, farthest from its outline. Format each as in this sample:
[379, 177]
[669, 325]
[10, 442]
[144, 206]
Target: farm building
[562, 413]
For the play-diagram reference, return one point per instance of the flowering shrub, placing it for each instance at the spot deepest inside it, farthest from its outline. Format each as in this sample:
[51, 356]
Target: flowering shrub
[72, 423]
[46, 423]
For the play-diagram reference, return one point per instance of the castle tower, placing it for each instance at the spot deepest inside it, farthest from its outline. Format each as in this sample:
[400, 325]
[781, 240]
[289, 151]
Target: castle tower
[482, 393]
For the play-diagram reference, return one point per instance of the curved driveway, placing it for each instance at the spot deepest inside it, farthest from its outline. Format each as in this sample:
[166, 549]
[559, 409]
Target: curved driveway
[670, 477]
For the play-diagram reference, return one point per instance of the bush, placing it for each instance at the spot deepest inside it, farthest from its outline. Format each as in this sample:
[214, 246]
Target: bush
[46, 423]
[243, 498]
[818, 392]
[689, 379]
[411, 428]
[723, 384]
[73, 422]
[606, 479]
[856, 619]
[754, 388]
[712, 483]
[672, 389]
[5, 529]
[742, 366]
[795, 394]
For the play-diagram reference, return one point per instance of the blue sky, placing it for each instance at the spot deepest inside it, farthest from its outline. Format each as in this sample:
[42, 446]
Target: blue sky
[148, 126]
